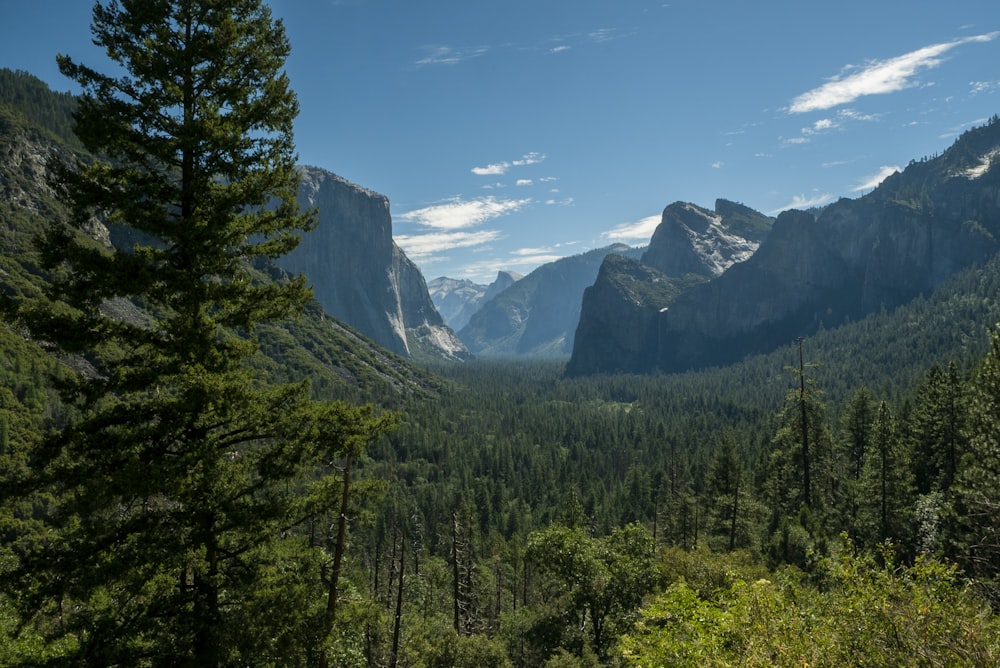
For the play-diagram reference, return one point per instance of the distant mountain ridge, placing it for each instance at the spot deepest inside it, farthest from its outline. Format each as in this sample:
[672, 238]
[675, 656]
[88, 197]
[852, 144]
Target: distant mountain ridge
[458, 299]
[815, 270]
[536, 316]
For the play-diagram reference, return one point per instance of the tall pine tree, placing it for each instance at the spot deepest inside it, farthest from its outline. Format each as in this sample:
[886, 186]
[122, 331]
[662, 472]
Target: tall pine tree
[977, 487]
[171, 492]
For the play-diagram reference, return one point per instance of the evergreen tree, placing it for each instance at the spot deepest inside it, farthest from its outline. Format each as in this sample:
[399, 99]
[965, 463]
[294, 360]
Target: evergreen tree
[977, 489]
[851, 455]
[725, 489]
[800, 481]
[885, 497]
[936, 430]
[171, 492]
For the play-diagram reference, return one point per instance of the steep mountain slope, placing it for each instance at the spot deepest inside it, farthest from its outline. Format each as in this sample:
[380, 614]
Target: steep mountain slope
[33, 130]
[360, 275]
[855, 257]
[620, 314]
[458, 299]
[537, 315]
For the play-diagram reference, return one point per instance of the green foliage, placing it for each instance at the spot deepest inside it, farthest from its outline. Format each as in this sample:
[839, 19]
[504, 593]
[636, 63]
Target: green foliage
[594, 583]
[977, 491]
[26, 100]
[445, 648]
[860, 613]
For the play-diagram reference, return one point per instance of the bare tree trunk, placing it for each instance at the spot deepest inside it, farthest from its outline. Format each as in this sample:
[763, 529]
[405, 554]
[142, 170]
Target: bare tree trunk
[338, 556]
[399, 607]
[455, 573]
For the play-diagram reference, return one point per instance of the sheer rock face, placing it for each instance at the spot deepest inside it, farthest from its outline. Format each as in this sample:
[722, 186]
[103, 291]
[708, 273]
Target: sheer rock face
[618, 319]
[818, 269]
[358, 273]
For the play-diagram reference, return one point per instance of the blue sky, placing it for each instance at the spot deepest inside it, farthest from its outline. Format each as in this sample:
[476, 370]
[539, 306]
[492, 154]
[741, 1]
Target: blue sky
[509, 134]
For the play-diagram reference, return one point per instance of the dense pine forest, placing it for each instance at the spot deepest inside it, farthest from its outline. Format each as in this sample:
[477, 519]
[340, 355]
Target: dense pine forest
[207, 471]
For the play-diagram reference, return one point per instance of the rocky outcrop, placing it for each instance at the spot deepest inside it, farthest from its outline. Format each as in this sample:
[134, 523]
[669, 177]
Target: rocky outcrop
[427, 335]
[336, 358]
[458, 299]
[537, 315]
[357, 272]
[693, 240]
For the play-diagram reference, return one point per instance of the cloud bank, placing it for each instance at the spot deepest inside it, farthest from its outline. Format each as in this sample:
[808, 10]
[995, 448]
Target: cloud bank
[457, 213]
[878, 77]
[448, 221]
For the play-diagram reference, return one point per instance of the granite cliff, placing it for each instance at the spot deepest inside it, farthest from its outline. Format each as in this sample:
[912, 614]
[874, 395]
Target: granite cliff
[359, 274]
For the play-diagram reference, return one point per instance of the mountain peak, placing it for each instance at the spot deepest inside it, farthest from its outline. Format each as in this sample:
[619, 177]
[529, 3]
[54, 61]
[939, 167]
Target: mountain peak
[694, 240]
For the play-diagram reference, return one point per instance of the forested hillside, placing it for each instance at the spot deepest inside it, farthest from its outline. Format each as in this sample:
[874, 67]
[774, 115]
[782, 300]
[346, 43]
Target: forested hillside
[247, 482]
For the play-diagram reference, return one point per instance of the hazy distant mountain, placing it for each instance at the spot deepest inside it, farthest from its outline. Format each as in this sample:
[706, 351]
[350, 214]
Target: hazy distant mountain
[458, 299]
[820, 269]
[537, 315]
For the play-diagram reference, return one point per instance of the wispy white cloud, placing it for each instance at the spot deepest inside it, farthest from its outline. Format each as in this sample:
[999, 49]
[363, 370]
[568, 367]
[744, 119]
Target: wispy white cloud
[563, 43]
[870, 182]
[855, 115]
[523, 182]
[439, 54]
[984, 86]
[822, 125]
[803, 202]
[456, 213]
[718, 164]
[640, 231]
[604, 35]
[878, 76]
[500, 168]
[423, 246]
[956, 130]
